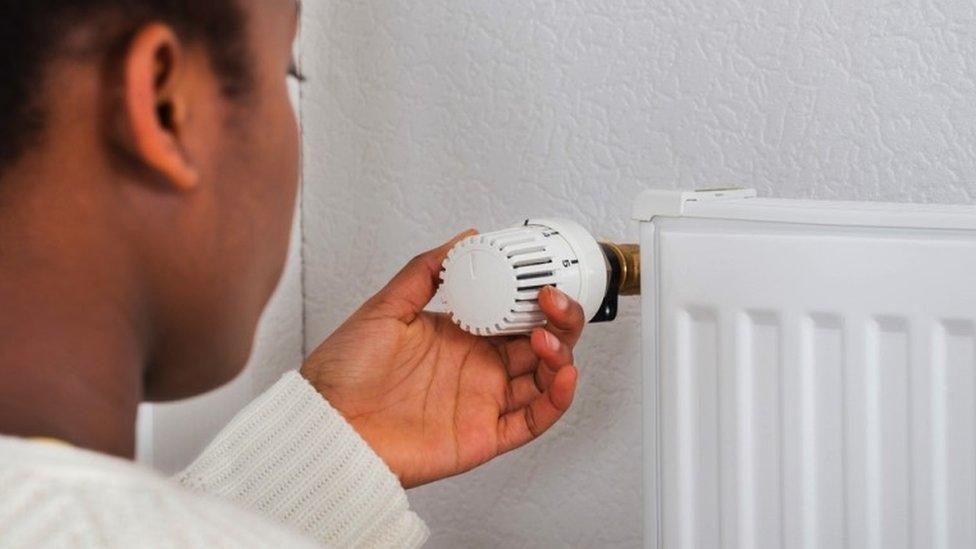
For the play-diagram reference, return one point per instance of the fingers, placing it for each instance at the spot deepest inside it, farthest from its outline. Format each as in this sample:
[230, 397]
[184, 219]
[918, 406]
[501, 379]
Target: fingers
[565, 320]
[414, 286]
[521, 392]
[521, 426]
[542, 355]
[565, 316]
[553, 354]
[518, 356]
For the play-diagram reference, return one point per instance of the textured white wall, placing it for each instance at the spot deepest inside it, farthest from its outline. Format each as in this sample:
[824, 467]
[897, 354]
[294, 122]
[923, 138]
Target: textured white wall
[424, 118]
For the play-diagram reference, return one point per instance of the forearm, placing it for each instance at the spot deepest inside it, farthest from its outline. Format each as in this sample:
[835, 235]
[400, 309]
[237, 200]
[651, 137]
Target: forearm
[289, 455]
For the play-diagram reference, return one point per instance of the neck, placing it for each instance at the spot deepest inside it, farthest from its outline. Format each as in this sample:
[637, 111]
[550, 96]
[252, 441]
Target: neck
[71, 347]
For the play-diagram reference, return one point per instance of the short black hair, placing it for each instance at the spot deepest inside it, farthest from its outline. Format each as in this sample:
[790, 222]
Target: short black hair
[31, 32]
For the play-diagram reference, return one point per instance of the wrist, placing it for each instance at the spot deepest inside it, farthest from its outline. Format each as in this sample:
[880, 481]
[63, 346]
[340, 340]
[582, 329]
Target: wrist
[313, 375]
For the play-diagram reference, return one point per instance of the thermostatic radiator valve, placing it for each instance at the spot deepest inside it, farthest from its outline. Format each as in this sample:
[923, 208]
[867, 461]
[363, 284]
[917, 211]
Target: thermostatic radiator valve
[491, 281]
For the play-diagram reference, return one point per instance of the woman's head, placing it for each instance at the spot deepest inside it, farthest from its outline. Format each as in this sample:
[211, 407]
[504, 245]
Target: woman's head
[171, 121]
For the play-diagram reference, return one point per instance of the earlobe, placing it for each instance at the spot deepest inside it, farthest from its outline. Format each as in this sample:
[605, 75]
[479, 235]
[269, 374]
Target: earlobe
[155, 102]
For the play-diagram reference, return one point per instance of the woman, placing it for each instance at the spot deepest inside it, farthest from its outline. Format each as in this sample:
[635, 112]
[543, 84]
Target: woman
[148, 171]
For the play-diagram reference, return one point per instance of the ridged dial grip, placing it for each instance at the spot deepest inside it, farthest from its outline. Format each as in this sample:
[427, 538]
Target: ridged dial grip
[491, 281]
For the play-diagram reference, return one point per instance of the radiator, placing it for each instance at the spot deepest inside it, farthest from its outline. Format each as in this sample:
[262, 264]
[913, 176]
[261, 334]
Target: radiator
[810, 372]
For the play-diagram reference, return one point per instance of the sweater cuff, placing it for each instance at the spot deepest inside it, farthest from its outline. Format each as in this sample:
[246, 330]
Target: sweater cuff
[291, 456]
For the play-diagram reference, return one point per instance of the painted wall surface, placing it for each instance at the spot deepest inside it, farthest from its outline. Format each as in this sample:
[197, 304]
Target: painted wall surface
[425, 118]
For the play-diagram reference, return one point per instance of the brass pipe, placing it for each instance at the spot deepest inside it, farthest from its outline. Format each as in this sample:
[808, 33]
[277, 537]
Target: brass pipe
[628, 258]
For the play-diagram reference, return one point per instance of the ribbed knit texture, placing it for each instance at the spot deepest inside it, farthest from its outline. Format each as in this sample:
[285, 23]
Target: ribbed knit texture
[291, 456]
[299, 475]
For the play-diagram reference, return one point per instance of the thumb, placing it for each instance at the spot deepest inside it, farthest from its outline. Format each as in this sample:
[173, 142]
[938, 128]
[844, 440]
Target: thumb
[415, 285]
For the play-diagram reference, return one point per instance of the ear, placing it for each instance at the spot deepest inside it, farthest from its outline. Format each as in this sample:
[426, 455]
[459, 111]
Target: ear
[155, 98]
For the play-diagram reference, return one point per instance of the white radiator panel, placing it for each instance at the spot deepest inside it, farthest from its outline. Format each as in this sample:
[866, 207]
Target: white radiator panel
[809, 385]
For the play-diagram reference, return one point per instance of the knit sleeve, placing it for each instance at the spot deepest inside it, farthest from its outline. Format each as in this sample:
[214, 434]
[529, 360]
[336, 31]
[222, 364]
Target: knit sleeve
[291, 456]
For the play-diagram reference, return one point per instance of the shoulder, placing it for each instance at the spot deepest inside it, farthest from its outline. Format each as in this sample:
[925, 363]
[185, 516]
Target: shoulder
[61, 496]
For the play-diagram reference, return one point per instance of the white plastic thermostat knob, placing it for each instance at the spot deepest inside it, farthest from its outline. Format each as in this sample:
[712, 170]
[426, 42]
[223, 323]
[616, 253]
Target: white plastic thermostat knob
[492, 281]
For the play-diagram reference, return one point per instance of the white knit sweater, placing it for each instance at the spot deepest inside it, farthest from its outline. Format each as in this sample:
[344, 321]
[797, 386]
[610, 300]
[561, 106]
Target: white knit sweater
[288, 471]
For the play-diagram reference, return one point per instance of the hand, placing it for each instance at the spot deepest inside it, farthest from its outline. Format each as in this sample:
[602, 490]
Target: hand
[432, 400]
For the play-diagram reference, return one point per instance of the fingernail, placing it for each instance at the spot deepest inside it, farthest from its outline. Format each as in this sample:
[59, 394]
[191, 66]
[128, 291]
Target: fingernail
[552, 342]
[560, 299]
